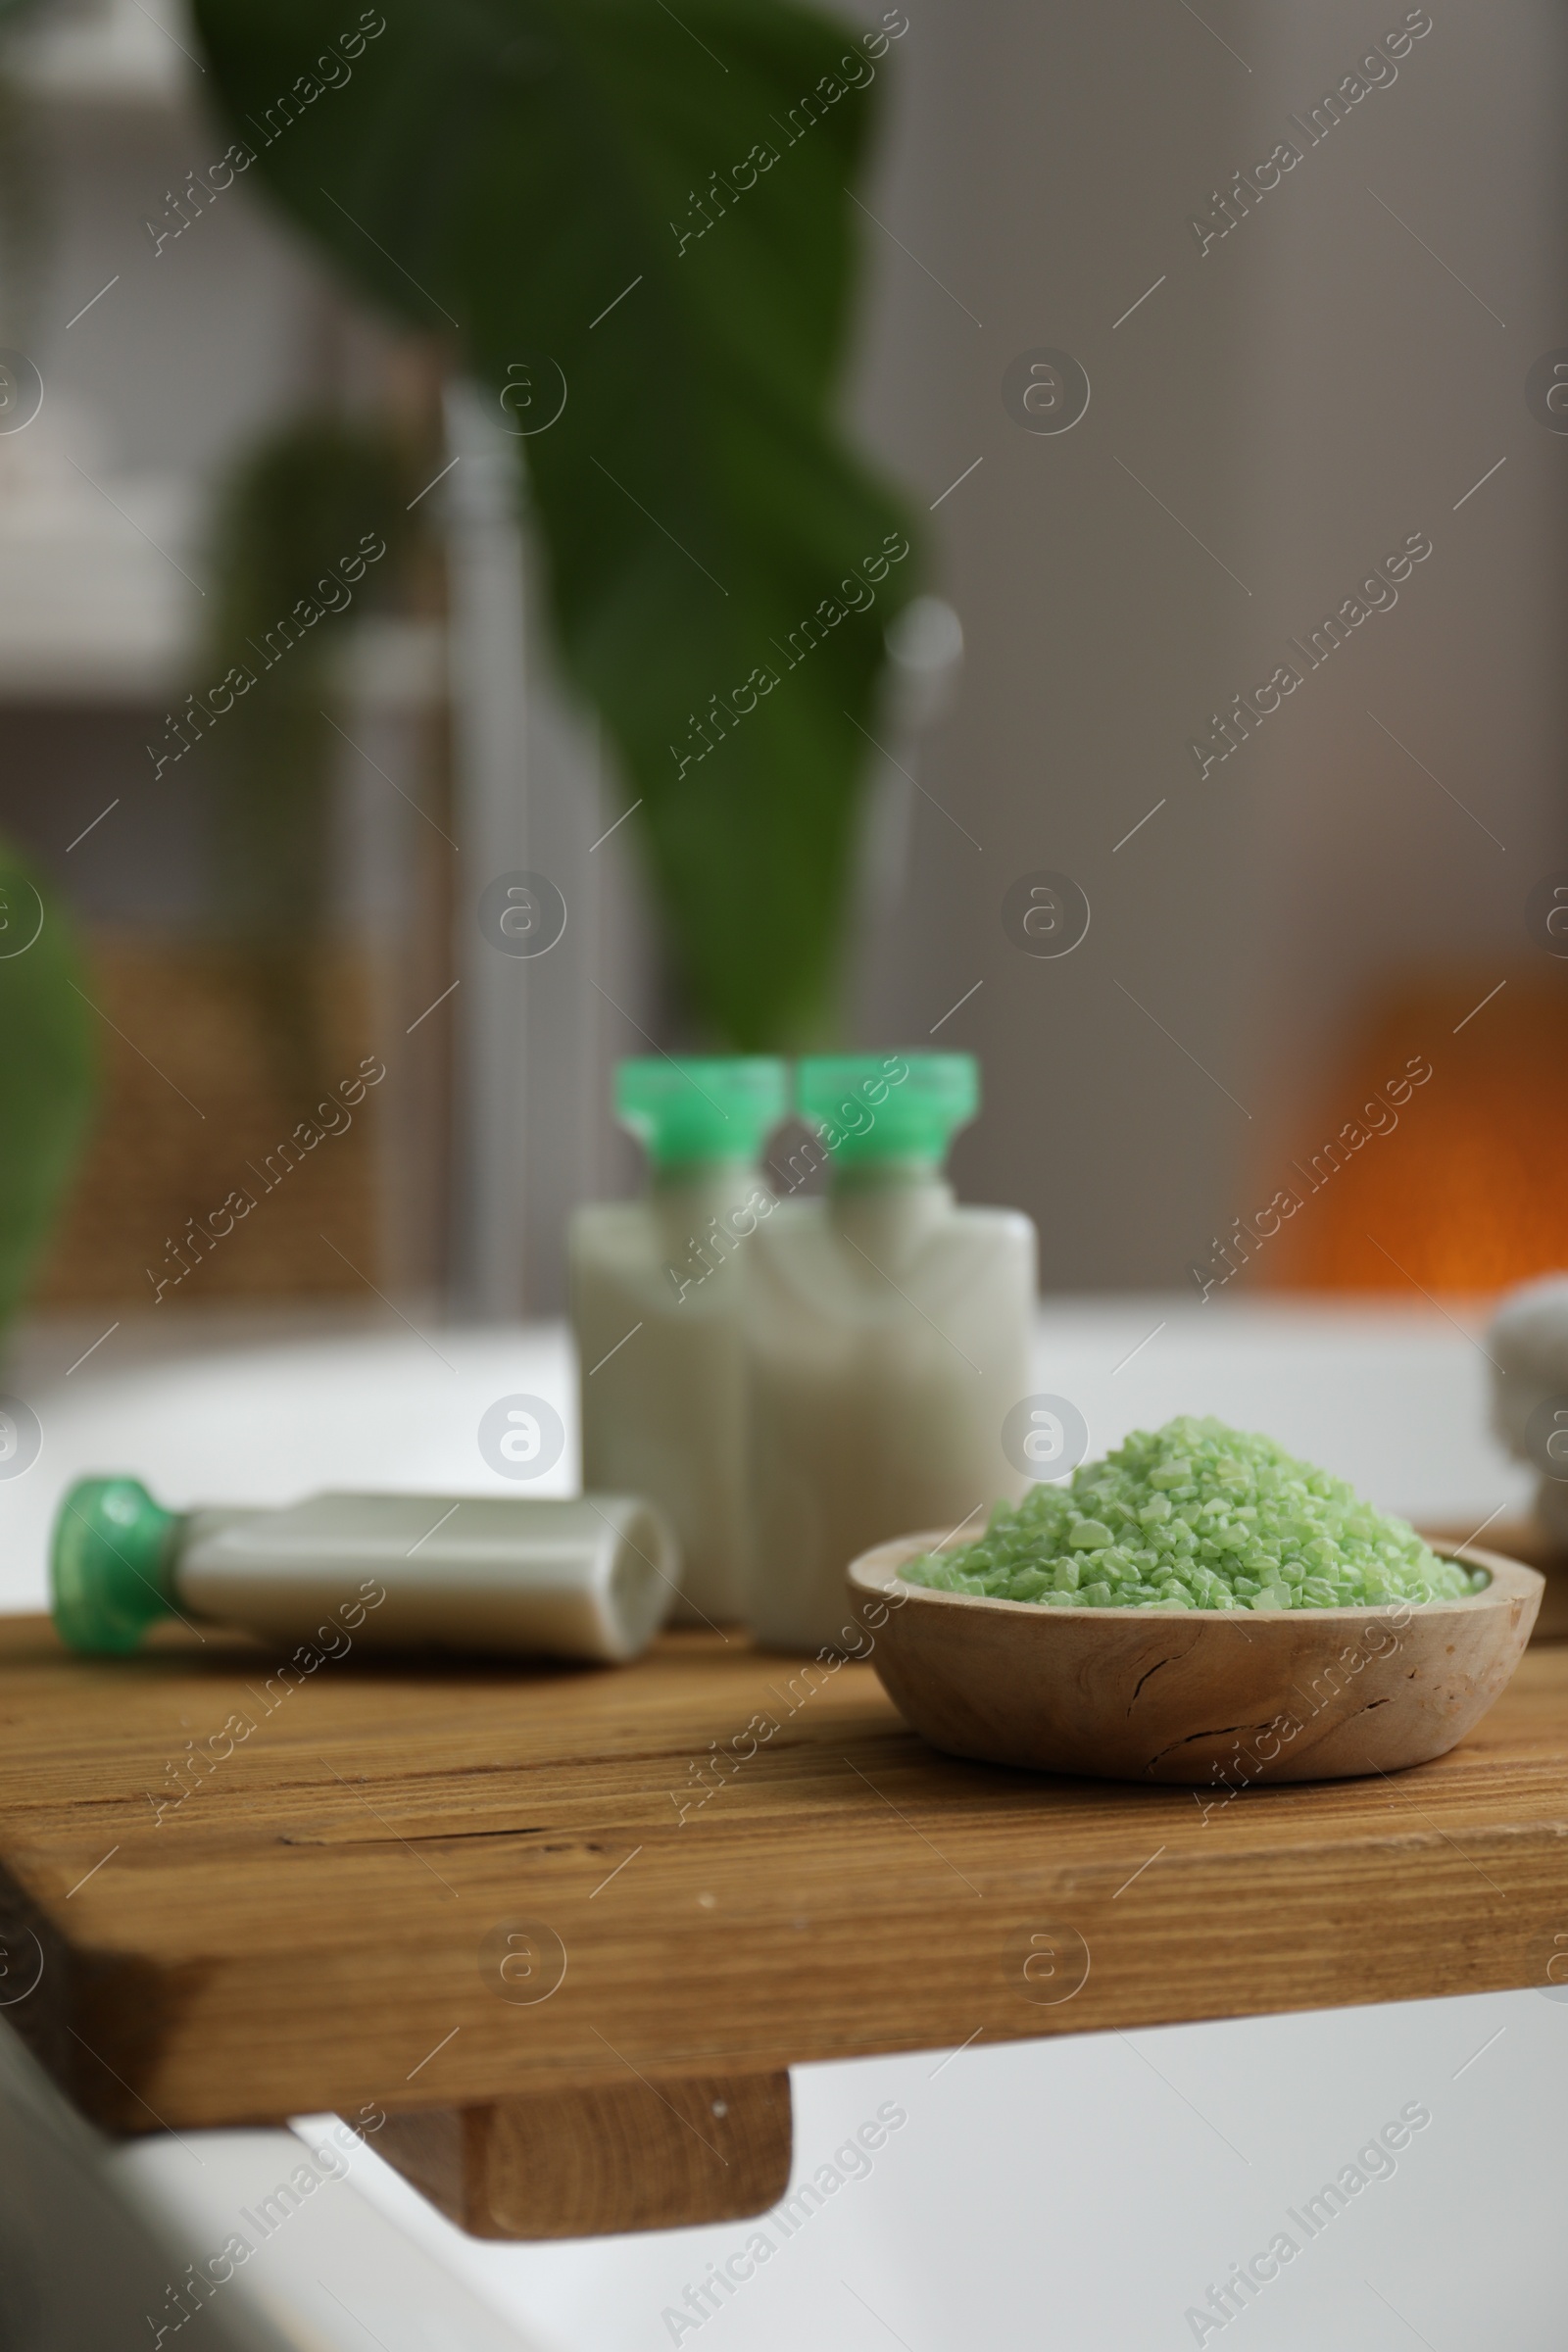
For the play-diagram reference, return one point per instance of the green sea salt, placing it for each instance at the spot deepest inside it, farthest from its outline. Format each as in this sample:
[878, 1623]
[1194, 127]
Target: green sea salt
[1197, 1516]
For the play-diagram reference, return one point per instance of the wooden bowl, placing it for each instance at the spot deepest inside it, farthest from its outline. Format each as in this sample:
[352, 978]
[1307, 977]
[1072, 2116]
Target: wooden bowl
[1533, 1546]
[1217, 1698]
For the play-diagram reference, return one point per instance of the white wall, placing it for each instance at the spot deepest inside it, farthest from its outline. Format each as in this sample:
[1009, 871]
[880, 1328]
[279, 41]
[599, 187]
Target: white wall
[1311, 384]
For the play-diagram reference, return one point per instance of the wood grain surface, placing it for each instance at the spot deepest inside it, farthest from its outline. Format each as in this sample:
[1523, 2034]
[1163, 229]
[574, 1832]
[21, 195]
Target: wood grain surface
[591, 2163]
[405, 1889]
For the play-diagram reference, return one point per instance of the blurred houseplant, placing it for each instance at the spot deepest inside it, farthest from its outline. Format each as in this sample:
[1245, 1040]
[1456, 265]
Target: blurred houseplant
[635, 228]
[290, 507]
[46, 1070]
[46, 1058]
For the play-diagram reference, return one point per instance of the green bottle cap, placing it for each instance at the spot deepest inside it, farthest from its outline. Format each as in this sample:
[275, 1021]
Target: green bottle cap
[112, 1565]
[869, 1107]
[706, 1108]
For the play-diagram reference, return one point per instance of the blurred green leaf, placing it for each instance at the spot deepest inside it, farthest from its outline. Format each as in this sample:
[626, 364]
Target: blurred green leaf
[293, 508]
[46, 1070]
[534, 181]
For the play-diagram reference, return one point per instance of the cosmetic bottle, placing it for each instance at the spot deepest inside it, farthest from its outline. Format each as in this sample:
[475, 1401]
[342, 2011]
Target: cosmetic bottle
[887, 1335]
[510, 1574]
[654, 1296]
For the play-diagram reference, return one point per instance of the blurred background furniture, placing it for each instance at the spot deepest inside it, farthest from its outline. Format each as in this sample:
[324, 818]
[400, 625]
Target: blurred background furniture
[1273, 394]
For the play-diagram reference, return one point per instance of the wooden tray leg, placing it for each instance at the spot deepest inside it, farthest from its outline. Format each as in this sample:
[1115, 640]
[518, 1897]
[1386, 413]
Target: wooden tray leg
[593, 2163]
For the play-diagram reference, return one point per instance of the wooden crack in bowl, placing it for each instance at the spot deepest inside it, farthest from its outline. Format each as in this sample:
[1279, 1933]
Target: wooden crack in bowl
[1219, 1698]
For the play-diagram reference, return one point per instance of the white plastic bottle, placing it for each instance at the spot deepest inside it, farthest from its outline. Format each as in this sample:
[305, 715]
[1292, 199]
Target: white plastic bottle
[887, 1339]
[655, 1292]
[509, 1573]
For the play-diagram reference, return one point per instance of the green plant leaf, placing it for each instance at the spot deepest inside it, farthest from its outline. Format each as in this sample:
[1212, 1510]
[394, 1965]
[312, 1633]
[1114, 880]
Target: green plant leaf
[46, 1070]
[297, 505]
[535, 182]
[291, 510]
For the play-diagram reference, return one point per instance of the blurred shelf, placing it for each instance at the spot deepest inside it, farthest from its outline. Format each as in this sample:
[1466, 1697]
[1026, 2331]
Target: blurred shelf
[100, 603]
[103, 588]
[109, 53]
[98, 599]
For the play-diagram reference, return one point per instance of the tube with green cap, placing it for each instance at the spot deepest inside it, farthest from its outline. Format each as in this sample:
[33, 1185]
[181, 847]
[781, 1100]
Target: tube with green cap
[887, 1335]
[516, 1575]
[655, 1299]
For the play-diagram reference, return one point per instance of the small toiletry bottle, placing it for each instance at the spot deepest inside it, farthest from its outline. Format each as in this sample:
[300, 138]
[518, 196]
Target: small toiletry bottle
[655, 1289]
[887, 1339]
[504, 1572]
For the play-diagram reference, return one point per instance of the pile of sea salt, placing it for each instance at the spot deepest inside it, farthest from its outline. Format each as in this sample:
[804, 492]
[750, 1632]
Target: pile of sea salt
[1197, 1516]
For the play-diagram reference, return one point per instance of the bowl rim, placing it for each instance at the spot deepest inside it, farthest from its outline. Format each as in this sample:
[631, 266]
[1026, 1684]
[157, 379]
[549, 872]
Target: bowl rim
[875, 1574]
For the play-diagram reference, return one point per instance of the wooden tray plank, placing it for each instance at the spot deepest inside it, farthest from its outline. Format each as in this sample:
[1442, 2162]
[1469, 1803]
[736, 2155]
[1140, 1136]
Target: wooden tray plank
[314, 1925]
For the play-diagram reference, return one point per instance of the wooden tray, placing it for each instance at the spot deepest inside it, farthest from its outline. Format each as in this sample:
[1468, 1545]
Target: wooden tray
[323, 1921]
